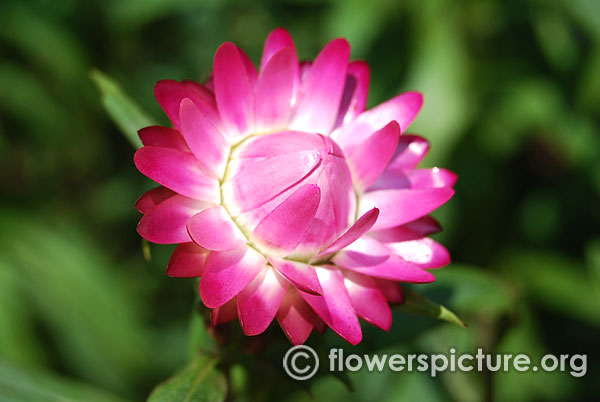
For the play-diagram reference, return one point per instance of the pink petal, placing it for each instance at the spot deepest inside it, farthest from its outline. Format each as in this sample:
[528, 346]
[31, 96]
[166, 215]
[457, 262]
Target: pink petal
[302, 276]
[187, 261]
[356, 89]
[170, 93]
[178, 171]
[414, 178]
[337, 205]
[411, 150]
[426, 252]
[249, 188]
[285, 142]
[275, 89]
[233, 90]
[404, 205]
[370, 158]
[250, 68]
[403, 109]
[335, 307]
[295, 317]
[322, 89]
[390, 289]
[360, 227]
[368, 301]
[278, 39]
[200, 91]
[165, 224]
[414, 230]
[213, 229]
[152, 198]
[319, 325]
[225, 313]
[393, 268]
[260, 300]
[226, 273]
[162, 137]
[432, 178]
[205, 141]
[285, 227]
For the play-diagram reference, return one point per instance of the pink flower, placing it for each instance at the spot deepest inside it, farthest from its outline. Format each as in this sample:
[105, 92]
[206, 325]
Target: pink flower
[286, 197]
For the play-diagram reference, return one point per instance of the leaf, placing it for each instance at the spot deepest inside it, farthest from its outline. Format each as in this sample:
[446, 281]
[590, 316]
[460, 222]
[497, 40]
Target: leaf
[554, 281]
[18, 385]
[89, 313]
[199, 381]
[417, 304]
[476, 289]
[123, 110]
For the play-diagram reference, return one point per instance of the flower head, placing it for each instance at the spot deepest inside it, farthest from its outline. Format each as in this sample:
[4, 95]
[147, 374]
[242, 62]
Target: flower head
[286, 197]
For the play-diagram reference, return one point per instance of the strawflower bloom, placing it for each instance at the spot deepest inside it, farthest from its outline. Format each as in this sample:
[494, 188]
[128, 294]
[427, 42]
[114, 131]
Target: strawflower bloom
[286, 197]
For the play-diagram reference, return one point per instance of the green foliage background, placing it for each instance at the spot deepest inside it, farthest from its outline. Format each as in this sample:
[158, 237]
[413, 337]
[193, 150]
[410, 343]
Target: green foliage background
[512, 104]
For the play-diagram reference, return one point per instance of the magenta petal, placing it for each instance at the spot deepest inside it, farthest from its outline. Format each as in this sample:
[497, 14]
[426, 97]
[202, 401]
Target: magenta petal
[227, 312]
[162, 137]
[165, 224]
[368, 301]
[393, 268]
[187, 261]
[335, 307]
[295, 317]
[411, 150]
[205, 141]
[213, 229]
[250, 68]
[278, 39]
[284, 142]
[226, 273]
[403, 109]
[322, 89]
[431, 178]
[302, 276]
[370, 158]
[285, 227]
[178, 171]
[170, 93]
[356, 89]
[390, 289]
[360, 227]
[233, 90]
[152, 198]
[260, 300]
[249, 188]
[414, 230]
[426, 252]
[275, 89]
[404, 205]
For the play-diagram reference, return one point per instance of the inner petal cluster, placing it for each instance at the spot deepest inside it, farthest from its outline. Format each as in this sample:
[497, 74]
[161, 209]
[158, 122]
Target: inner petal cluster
[265, 171]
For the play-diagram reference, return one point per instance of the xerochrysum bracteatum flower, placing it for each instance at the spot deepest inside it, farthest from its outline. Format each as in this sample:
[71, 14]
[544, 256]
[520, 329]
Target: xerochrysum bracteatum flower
[286, 197]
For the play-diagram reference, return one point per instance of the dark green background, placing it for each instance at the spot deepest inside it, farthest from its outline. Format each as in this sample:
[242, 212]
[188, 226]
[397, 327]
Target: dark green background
[512, 102]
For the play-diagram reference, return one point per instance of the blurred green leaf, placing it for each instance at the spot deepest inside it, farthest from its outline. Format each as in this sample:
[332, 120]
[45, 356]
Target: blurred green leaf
[198, 382]
[92, 318]
[45, 43]
[18, 342]
[439, 69]
[18, 385]
[514, 386]
[123, 110]
[417, 304]
[475, 289]
[555, 281]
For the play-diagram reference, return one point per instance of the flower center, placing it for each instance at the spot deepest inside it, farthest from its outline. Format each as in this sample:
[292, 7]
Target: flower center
[264, 171]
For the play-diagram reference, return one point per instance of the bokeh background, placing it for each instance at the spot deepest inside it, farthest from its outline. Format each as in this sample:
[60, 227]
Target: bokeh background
[512, 104]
